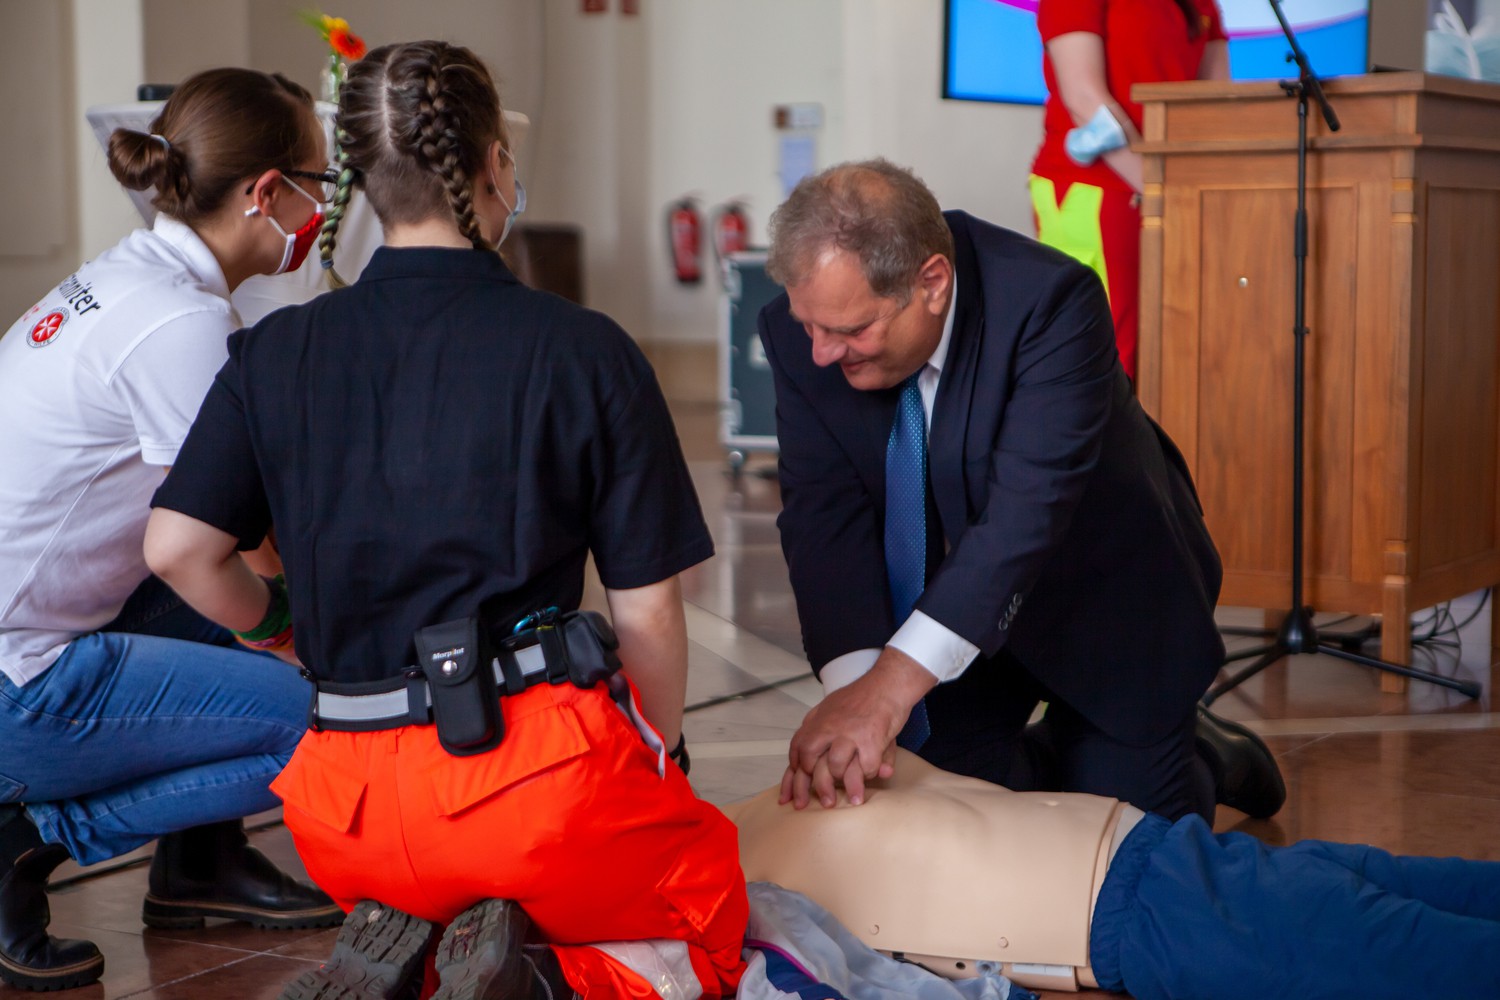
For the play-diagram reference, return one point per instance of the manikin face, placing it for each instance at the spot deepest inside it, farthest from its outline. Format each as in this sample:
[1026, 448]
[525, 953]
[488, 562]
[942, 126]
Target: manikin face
[876, 342]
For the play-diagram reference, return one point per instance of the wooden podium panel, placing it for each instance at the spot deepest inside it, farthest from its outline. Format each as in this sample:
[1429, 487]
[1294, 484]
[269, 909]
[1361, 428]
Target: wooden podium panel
[1403, 359]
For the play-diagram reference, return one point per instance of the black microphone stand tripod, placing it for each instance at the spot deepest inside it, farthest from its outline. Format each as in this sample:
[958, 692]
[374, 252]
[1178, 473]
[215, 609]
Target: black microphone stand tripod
[1297, 633]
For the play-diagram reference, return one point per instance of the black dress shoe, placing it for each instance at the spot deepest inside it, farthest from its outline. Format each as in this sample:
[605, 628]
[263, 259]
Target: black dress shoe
[212, 871]
[483, 956]
[378, 956]
[30, 958]
[1245, 773]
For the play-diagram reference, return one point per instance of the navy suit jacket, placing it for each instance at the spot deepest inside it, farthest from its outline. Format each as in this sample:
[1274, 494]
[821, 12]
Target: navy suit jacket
[1073, 535]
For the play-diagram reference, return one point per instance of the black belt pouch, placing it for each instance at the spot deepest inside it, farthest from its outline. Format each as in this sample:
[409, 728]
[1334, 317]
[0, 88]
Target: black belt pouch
[455, 659]
[591, 645]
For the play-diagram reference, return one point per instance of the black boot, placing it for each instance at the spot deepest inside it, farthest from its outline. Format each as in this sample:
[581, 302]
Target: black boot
[378, 956]
[1245, 773]
[483, 956]
[30, 958]
[547, 978]
[212, 871]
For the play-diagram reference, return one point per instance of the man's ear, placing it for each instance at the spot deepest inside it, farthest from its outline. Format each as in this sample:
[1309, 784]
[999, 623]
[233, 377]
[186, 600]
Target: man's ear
[264, 191]
[935, 282]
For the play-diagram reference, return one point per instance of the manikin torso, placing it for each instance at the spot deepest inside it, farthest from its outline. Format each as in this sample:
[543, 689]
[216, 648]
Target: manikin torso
[953, 872]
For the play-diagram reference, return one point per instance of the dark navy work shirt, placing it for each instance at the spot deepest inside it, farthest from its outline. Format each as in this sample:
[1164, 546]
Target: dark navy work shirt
[436, 441]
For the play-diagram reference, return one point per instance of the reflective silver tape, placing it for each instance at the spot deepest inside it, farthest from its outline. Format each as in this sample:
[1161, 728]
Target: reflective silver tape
[392, 704]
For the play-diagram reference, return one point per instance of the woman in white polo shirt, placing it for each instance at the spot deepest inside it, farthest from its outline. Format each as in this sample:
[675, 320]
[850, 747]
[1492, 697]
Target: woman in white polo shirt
[124, 716]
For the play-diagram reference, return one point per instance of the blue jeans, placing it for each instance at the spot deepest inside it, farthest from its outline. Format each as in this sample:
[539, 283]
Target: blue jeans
[154, 724]
[1185, 913]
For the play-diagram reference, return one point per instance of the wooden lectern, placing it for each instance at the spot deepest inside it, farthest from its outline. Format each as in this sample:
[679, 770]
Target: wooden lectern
[1403, 303]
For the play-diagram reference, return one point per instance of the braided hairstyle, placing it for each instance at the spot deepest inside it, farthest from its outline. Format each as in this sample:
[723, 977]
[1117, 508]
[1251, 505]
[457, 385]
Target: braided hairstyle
[344, 191]
[219, 127]
[415, 121]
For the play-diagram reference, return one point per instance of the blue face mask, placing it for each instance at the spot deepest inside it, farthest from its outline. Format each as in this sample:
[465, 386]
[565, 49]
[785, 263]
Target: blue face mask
[516, 209]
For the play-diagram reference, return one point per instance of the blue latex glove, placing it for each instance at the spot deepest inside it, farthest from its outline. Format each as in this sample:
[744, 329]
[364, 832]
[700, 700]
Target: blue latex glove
[1088, 142]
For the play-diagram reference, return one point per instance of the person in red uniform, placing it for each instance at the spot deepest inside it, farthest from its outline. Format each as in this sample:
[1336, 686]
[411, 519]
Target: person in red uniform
[1085, 187]
[438, 443]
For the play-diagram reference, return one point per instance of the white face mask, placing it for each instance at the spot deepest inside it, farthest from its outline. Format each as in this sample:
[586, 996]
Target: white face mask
[298, 243]
[515, 210]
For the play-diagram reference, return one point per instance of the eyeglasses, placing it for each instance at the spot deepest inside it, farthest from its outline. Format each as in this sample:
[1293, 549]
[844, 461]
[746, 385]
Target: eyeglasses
[328, 181]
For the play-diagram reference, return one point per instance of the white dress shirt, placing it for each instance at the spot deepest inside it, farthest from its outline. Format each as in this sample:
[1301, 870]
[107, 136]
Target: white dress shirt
[942, 652]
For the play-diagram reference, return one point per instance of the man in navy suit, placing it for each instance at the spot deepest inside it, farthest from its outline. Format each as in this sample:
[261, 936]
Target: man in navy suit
[1062, 555]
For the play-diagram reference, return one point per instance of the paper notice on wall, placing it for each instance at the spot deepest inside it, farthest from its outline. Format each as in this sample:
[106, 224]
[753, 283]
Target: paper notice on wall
[797, 157]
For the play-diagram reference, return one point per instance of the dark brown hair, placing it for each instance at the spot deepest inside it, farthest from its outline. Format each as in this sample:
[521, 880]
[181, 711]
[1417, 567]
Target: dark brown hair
[415, 121]
[220, 127]
[881, 213]
[1194, 18]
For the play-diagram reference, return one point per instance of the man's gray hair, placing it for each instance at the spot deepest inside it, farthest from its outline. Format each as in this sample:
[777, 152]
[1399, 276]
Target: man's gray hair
[881, 213]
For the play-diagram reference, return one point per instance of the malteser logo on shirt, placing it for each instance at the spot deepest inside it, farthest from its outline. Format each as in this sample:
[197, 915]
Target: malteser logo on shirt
[79, 295]
[47, 329]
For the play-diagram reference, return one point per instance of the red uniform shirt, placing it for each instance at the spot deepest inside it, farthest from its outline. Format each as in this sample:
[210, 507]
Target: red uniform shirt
[1145, 41]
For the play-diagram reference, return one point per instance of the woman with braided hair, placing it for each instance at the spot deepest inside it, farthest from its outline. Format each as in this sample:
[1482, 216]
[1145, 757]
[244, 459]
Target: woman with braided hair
[440, 447]
[125, 716]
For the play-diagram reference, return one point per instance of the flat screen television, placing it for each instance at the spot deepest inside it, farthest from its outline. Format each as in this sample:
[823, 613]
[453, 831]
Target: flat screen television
[992, 51]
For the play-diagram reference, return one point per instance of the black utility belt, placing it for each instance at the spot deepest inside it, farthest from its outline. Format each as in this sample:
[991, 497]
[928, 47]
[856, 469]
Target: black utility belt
[460, 677]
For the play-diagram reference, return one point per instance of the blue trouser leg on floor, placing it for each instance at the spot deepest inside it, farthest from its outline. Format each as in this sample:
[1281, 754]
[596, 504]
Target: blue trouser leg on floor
[1194, 915]
[126, 737]
[1453, 885]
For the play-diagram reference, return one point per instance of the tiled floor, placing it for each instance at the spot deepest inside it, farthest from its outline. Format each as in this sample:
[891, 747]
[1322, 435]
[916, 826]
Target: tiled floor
[1413, 773]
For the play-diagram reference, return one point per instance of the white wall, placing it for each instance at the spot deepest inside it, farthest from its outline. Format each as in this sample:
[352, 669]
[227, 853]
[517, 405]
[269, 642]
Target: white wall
[61, 204]
[587, 161]
[183, 37]
[697, 120]
[629, 113]
[107, 37]
[504, 33]
[975, 156]
[717, 70]
[38, 214]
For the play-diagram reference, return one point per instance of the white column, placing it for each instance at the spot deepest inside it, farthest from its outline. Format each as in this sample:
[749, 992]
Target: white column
[108, 64]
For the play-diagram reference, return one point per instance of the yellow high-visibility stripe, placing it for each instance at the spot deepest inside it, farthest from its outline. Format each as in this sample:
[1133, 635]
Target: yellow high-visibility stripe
[1073, 227]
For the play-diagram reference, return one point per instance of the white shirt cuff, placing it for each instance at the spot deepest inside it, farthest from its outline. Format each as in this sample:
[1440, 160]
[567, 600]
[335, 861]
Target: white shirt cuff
[942, 652]
[841, 671]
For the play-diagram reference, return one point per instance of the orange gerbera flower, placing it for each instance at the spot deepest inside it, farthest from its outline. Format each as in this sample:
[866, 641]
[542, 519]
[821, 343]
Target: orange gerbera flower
[335, 31]
[346, 43]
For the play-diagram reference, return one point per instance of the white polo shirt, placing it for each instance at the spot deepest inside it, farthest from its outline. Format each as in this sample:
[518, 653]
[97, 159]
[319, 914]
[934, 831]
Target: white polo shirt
[99, 383]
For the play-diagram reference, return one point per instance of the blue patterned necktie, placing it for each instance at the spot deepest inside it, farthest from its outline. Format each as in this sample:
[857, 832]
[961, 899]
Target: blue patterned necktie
[906, 527]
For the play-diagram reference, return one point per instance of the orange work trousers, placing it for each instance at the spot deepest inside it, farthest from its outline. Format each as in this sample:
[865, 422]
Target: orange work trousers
[569, 817]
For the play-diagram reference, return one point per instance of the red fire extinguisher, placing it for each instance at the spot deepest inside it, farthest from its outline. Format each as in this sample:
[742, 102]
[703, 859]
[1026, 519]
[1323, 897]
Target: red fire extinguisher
[685, 238]
[731, 230]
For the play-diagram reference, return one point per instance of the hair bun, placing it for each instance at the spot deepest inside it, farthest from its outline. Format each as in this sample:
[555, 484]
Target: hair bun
[140, 160]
